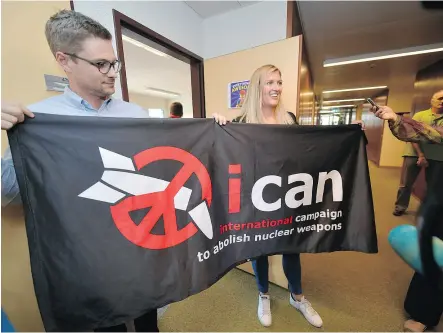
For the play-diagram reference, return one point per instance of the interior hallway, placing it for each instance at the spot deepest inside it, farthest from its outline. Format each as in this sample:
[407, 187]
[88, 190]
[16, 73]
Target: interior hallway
[351, 291]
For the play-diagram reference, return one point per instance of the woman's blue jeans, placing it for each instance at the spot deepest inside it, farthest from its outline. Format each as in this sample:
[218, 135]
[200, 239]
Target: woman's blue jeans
[291, 267]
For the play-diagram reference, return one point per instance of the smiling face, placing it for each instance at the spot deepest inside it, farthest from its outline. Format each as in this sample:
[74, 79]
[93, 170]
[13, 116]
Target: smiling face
[272, 87]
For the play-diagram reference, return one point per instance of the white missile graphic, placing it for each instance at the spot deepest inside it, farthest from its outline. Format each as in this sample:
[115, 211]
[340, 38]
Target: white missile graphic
[132, 183]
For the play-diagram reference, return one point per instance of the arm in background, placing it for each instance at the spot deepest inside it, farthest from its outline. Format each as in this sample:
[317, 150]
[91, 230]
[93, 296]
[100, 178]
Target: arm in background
[404, 241]
[10, 189]
[11, 114]
[420, 246]
[407, 129]
[422, 162]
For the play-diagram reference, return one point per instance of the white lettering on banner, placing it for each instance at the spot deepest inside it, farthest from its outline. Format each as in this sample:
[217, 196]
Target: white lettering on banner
[337, 185]
[257, 194]
[290, 200]
[320, 227]
[306, 188]
[332, 215]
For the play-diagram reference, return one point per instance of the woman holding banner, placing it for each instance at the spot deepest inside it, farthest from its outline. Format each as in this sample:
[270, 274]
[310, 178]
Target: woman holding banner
[263, 106]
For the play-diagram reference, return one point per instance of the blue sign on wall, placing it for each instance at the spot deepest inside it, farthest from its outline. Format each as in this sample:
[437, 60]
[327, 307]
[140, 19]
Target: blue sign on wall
[237, 94]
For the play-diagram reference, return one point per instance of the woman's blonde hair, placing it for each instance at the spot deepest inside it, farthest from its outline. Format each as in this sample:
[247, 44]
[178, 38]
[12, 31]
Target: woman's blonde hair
[252, 106]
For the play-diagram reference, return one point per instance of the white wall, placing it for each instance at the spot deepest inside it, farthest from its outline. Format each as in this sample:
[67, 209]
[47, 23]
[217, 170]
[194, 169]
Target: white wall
[248, 27]
[150, 102]
[156, 102]
[172, 19]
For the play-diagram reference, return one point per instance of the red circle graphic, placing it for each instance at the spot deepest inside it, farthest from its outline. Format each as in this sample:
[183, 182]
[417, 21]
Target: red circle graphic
[161, 203]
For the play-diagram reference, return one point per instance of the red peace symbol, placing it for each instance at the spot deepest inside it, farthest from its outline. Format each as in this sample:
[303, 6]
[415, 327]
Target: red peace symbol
[161, 203]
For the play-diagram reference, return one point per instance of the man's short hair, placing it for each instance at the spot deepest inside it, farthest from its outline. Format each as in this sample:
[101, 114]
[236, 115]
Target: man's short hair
[66, 31]
[176, 109]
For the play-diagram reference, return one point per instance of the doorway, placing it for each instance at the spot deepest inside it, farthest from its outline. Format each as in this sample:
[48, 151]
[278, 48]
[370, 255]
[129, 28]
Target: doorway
[156, 72]
[337, 116]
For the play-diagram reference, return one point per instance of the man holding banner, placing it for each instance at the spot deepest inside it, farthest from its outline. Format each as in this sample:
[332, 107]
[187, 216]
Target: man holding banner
[83, 48]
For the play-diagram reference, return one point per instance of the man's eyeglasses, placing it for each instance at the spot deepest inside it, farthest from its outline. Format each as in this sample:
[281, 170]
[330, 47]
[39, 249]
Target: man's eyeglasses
[103, 66]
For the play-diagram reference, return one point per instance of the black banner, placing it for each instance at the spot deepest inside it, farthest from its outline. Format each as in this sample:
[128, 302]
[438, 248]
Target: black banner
[128, 215]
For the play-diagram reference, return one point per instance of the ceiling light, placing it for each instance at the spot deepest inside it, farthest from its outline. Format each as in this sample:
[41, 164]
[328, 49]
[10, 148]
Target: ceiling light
[345, 100]
[163, 92]
[385, 55]
[353, 89]
[338, 106]
[329, 112]
[144, 46]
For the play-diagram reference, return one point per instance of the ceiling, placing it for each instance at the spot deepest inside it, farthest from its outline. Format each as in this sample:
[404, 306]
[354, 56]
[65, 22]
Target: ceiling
[207, 9]
[337, 29]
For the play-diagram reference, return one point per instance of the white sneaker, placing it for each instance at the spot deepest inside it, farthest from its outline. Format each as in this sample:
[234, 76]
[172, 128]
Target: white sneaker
[264, 310]
[307, 310]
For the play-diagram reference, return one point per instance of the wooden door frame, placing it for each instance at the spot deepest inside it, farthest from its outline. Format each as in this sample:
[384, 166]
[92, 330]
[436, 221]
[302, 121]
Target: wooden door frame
[174, 50]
